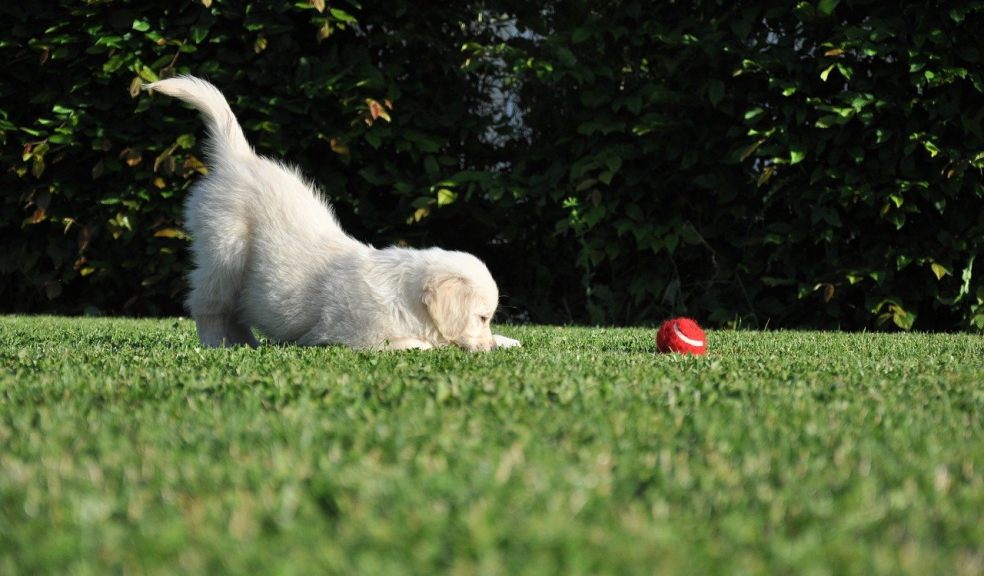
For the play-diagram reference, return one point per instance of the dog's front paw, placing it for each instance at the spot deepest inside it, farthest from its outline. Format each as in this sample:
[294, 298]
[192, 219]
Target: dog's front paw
[503, 342]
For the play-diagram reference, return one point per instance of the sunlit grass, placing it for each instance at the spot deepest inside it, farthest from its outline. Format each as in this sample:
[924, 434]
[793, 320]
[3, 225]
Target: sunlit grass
[124, 447]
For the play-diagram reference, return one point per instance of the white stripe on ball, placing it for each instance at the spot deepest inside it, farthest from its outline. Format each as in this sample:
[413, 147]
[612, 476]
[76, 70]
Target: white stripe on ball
[685, 338]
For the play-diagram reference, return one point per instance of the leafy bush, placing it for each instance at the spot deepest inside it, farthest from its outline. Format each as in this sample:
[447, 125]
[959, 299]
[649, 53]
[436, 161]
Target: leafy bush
[817, 165]
[100, 168]
[755, 163]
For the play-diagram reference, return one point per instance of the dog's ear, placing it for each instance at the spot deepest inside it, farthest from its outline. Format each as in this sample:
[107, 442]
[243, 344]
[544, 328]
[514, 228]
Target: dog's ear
[448, 300]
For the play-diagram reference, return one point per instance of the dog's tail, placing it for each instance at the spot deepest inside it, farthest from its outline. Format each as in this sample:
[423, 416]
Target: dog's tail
[226, 136]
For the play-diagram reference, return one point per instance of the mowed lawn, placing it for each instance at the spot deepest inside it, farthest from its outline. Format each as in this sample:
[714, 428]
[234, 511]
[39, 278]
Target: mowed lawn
[126, 448]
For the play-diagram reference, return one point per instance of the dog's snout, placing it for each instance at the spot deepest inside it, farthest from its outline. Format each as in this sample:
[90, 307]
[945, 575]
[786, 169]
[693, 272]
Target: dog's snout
[479, 346]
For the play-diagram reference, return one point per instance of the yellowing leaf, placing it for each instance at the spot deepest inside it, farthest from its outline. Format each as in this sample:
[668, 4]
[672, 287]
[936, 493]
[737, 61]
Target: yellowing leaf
[135, 85]
[83, 240]
[37, 167]
[765, 175]
[420, 214]
[833, 52]
[159, 182]
[207, 3]
[170, 233]
[131, 157]
[319, 5]
[939, 270]
[39, 216]
[750, 149]
[826, 72]
[260, 44]
[827, 291]
[193, 163]
[165, 160]
[338, 147]
[377, 110]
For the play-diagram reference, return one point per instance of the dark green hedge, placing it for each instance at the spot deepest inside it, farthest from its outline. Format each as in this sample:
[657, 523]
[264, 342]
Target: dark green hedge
[817, 165]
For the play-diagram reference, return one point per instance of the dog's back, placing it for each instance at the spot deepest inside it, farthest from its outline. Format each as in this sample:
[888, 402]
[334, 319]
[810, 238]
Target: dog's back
[250, 218]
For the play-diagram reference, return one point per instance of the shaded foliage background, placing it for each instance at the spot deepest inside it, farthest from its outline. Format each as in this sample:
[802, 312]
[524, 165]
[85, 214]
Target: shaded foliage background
[817, 164]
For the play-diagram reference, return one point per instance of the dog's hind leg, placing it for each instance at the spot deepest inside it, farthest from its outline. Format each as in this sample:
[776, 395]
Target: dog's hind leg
[218, 331]
[239, 333]
[215, 285]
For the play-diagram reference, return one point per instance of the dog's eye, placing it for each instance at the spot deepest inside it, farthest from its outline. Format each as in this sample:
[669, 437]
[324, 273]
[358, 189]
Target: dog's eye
[484, 319]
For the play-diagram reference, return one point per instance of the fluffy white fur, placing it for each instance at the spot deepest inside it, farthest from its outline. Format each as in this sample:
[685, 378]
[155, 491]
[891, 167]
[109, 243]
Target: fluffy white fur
[269, 254]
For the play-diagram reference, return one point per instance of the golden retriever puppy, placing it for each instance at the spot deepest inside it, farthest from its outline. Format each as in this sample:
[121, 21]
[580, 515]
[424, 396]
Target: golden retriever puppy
[269, 254]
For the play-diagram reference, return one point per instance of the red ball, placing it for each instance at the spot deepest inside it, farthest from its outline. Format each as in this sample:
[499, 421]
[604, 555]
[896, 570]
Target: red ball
[681, 335]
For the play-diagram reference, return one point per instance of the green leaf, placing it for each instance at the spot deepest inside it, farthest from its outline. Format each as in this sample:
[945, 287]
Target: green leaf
[892, 310]
[445, 196]
[581, 34]
[827, 7]
[585, 184]
[903, 318]
[430, 165]
[715, 92]
[198, 33]
[966, 275]
[796, 155]
[939, 270]
[846, 71]
[978, 161]
[566, 57]
[342, 16]
[147, 74]
[614, 164]
[754, 113]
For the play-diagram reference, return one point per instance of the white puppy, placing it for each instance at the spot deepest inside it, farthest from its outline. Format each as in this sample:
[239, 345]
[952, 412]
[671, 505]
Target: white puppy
[269, 254]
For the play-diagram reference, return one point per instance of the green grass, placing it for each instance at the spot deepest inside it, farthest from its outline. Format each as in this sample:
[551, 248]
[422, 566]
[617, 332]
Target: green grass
[126, 448]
